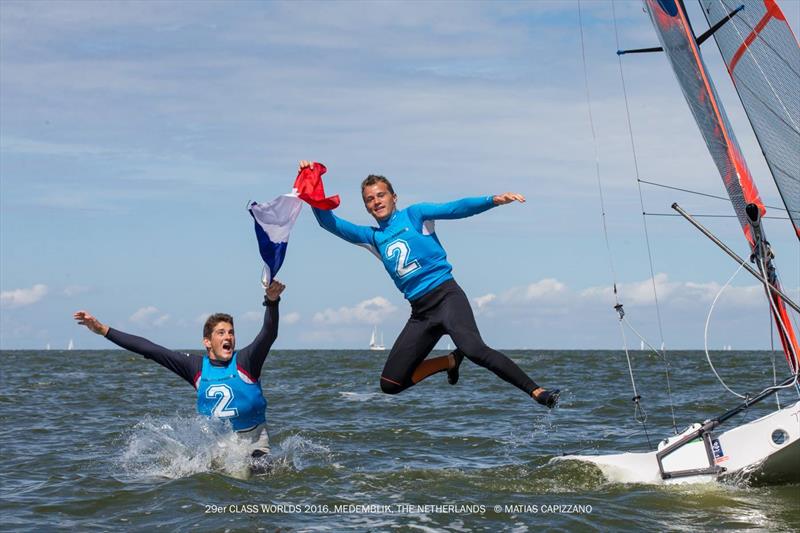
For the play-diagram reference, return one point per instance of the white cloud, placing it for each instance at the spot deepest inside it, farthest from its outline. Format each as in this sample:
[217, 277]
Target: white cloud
[483, 301]
[74, 290]
[22, 297]
[634, 293]
[250, 316]
[673, 292]
[738, 295]
[149, 316]
[545, 289]
[372, 311]
[258, 316]
[552, 298]
[142, 314]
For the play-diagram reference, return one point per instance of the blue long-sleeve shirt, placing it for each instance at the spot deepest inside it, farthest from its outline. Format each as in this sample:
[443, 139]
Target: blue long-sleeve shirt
[406, 242]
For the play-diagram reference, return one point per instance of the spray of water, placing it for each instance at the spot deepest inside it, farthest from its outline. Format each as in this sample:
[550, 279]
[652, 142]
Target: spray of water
[177, 447]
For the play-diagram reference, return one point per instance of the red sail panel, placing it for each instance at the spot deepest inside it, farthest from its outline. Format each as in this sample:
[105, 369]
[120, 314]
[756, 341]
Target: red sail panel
[677, 38]
[763, 59]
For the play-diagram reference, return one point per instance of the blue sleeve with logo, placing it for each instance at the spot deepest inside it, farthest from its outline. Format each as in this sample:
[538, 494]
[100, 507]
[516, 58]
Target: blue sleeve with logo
[466, 207]
[342, 228]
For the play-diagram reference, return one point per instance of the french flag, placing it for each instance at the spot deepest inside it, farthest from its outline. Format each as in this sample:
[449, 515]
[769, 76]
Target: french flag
[273, 223]
[275, 220]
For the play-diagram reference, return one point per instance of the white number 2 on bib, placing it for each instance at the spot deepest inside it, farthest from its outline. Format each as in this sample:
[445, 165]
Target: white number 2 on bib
[401, 250]
[224, 395]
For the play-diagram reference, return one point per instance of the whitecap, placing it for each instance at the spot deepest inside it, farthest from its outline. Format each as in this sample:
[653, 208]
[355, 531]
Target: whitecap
[358, 396]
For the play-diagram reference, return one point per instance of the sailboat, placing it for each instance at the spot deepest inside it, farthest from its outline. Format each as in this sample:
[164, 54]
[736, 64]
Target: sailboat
[70, 345]
[373, 342]
[763, 58]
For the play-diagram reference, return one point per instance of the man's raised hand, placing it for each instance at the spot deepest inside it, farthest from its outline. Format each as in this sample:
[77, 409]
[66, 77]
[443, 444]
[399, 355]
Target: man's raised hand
[507, 198]
[94, 325]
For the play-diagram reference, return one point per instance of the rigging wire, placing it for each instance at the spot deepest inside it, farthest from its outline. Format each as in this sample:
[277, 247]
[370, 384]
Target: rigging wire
[773, 314]
[639, 413]
[707, 216]
[698, 193]
[644, 219]
[779, 323]
[705, 333]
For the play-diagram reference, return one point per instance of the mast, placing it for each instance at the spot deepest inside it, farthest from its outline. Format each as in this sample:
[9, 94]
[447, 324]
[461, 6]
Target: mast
[680, 45]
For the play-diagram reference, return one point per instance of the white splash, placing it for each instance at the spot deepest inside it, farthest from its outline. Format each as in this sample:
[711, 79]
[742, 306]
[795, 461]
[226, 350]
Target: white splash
[177, 447]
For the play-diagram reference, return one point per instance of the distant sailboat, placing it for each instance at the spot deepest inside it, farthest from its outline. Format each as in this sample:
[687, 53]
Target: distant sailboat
[373, 342]
[48, 346]
[71, 345]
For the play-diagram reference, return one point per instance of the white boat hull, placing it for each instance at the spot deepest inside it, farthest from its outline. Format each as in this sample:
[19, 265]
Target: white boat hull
[766, 450]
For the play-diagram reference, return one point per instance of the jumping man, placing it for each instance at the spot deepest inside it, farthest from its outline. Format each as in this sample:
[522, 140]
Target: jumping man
[409, 249]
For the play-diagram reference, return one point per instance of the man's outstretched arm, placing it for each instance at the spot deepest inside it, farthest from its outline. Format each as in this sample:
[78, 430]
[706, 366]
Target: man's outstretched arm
[185, 365]
[466, 207]
[342, 228]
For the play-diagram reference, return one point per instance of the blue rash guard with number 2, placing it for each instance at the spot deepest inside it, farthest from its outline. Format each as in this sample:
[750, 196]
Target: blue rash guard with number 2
[225, 392]
[406, 242]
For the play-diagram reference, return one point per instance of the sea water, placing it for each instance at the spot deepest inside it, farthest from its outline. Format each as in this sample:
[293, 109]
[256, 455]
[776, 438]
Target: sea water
[103, 440]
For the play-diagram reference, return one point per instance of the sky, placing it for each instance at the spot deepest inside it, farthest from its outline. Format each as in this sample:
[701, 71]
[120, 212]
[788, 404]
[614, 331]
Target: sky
[133, 135]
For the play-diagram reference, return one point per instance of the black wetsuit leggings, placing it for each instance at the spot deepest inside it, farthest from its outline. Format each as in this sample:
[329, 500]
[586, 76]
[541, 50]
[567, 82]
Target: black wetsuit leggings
[445, 310]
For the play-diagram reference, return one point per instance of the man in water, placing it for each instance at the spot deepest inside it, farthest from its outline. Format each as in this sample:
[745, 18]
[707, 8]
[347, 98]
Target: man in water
[410, 251]
[226, 379]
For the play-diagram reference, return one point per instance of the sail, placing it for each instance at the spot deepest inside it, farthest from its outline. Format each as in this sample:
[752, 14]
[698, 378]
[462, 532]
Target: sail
[763, 59]
[678, 41]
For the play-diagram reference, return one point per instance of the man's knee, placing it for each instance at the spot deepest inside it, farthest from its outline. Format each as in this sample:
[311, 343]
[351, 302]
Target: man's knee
[475, 350]
[390, 387]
